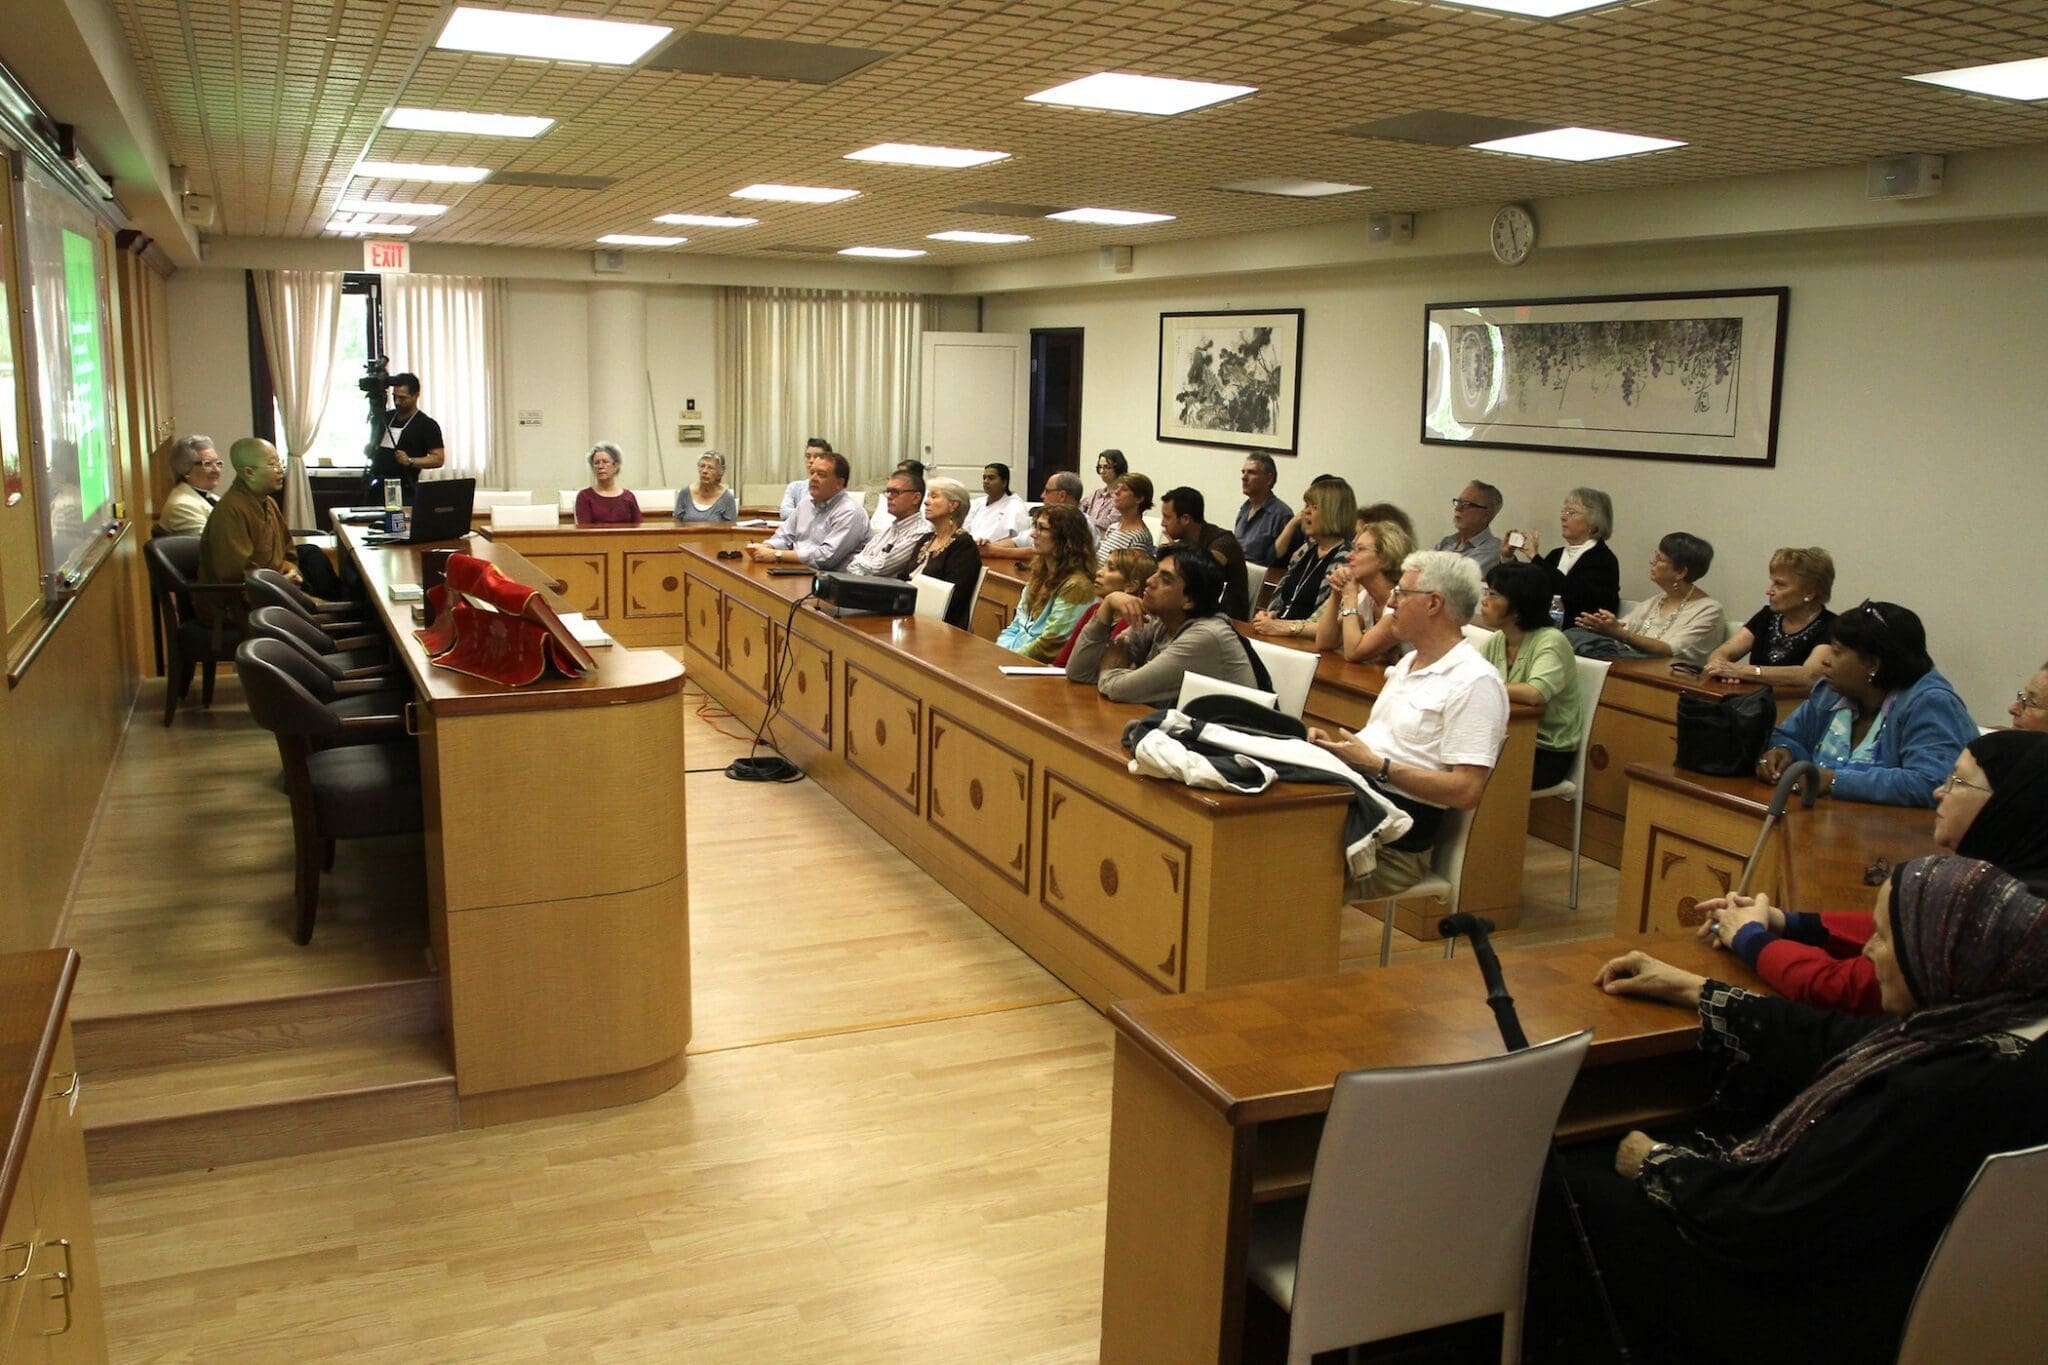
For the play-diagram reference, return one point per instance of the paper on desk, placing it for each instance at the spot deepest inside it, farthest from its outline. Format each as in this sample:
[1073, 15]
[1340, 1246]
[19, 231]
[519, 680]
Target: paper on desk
[752, 523]
[1030, 671]
[405, 592]
[588, 633]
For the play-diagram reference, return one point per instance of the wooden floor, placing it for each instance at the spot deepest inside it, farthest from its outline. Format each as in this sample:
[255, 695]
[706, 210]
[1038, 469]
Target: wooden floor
[891, 1146]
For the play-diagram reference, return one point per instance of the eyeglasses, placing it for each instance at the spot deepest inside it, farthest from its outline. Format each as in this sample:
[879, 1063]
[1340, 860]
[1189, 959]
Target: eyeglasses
[209, 464]
[898, 492]
[2027, 702]
[1953, 782]
[1462, 505]
[1400, 592]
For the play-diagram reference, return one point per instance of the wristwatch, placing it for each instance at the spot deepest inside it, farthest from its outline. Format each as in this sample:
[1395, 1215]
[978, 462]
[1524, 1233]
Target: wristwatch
[1343, 612]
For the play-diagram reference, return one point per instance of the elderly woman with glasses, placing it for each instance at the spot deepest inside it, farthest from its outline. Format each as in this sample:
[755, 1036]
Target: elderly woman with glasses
[2029, 709]
[605, 502]
[708, 499]
[197, 467]
[1882, 725]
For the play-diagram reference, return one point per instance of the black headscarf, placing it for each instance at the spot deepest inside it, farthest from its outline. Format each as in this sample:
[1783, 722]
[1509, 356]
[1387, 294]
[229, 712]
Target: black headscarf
[2011, 832]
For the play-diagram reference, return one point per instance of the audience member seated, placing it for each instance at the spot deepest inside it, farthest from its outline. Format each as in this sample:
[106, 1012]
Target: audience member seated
[197, 467]
[1328, 512]
[1059, 587]
[1180, 517]
[827, 527]
[998, 514]
[1804, 1239]
[708, 499]
[1780, 641]
[1133, 501]
[879, 519]
[605, 503]
[891, 553]
[2029, 709]
[1100, 506]
[1993, 807]
[1360, 628]
[1437, 728]
[1537, 662]
[1176, 628]
[1680, 622]
[1583, 571]
[1127, 571]
[794, 494]
[1387, 511]
[1472, 513]
[1882, 725]
[1061, 489]
[1288, 541]
[1261, 516]
[246, 530]
[947, 552]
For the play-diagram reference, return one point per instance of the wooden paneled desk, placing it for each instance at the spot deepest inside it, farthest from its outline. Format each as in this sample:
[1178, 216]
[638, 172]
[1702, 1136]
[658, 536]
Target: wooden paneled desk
[1689, 835]
[1219, 1097]
[1636, 722]
[1013, 793]
[628, 577]
[564, 960]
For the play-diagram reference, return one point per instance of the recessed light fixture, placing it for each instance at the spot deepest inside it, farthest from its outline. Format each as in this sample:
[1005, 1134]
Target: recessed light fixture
[914, 154]
[1535, 9]
[2026, 79]
[551, 37]
[413, 170]
[794, 194]
[705, 220]
[636, 239]
[888, 253]
[396, 210]
[355, 227]
[456, 121]
[1139, 94]
[1294, 189]
[1110, 217]
[1577, 144]
[982, 238]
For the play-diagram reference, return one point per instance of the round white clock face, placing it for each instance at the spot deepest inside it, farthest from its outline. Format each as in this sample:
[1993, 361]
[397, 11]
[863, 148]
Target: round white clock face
[1514, 234]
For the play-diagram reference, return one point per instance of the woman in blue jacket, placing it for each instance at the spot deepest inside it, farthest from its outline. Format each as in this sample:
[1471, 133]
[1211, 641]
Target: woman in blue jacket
[1882, 725]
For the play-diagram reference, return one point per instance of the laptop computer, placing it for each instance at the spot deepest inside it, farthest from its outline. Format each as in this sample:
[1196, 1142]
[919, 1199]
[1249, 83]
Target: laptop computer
[440, 512]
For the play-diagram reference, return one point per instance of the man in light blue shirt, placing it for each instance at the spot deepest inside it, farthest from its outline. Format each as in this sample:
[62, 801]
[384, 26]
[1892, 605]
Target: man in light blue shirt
[889, 551]
[1472, 512]
[792, 495]
[826, 528]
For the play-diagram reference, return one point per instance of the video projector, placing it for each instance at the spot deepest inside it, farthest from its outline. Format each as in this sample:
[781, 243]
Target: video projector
[852, 592]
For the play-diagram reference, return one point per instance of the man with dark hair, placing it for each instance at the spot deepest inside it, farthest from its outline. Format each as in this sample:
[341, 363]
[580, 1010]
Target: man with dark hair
[1180, 517]
[888, 552]
[827, 526]
[814, 446]
[1176, 628]
[1262, 515]
[998, 514]
[879, 520]
[1472, 512]
[411, 440]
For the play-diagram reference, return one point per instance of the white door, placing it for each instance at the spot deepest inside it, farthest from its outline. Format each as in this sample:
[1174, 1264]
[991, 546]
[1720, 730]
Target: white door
[975, 407]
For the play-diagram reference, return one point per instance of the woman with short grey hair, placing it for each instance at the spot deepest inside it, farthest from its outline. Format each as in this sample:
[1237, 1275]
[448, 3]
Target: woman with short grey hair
[1585, 577]
[708, 499]
[196, 466]
[606, 502]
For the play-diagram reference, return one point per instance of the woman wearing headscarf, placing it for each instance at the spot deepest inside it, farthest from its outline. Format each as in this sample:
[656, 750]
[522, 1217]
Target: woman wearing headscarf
[1994, 806]
[1804, 1240]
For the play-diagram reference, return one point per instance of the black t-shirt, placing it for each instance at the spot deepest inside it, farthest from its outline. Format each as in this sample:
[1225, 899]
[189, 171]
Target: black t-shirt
[416, 438]
[1770, 647]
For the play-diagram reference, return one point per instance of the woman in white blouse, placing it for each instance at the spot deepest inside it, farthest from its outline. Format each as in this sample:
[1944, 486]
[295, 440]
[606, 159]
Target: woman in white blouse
[196, 466]
[1679, 623]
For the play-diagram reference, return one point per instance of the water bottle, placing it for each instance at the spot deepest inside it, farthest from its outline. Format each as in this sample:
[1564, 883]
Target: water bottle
[394, 506]
[1557, 612]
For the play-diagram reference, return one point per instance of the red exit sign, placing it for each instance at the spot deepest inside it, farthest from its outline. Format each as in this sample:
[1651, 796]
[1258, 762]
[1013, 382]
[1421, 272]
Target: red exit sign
[388, 258]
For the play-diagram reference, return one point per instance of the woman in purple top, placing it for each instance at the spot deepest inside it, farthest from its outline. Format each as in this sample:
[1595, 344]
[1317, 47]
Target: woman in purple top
[604, 503]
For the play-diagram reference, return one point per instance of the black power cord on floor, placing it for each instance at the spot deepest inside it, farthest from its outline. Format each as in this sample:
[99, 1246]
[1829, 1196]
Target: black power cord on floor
[757, 767]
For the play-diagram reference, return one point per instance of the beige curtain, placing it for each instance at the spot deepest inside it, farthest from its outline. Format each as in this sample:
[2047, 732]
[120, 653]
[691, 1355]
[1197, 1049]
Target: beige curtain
[796, 363]
[299, 310]
[449, 330]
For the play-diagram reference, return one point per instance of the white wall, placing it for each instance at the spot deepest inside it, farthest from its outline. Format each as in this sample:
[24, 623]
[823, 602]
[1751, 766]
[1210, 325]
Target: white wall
[209, 334]
[1910, 441]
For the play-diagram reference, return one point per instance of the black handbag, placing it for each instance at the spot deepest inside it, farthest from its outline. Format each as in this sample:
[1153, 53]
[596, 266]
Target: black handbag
[1724, 736]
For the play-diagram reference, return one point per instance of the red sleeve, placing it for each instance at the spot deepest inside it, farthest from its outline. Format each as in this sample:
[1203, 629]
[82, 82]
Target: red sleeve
[1060, 659]
[1811, 976]
[1852, 928]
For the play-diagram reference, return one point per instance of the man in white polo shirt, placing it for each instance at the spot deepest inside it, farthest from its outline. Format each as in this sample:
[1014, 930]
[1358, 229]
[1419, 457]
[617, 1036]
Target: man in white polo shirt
[1436, 730]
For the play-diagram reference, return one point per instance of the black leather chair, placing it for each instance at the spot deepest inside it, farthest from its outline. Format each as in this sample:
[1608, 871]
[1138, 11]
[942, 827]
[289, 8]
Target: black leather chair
[361, 661]
[269, 588]
[189, 641]
[377, 695]
[338, 789]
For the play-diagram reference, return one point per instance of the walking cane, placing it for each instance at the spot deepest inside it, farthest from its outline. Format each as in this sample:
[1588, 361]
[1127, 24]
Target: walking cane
[1801, 774]
[1478, 928]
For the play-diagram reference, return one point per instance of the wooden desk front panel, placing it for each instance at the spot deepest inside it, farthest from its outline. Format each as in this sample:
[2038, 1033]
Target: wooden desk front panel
[585, 578]
[1002, 589]
[1678, 852]
[749, 656]
[653, 582]
[704, 621]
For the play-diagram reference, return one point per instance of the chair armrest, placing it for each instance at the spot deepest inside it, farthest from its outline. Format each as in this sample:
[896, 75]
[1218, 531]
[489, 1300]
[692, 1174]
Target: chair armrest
[364, 727]
[352, 686]
[357, 641]
[369, 672]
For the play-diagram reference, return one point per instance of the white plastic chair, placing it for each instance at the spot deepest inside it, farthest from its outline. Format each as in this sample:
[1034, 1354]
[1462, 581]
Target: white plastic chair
[934, 595]
[655, 502]
[761, 495]
[1292, 671]
[566, 501]
[524, 517]
[1446, 872]
[1195, 685]
[1978, 1300]
[487, 498]
[1447, 1157]
[1254, 583]
[1477, 636]
[1592, 680]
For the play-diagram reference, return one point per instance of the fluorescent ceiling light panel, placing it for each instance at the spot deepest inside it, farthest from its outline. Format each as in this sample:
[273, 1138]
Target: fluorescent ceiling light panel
[635, 239]
[356, 227]
[888, 253]
[395, 210]
[551, 37]
[1110, 217]
[2026, 79]
[704, 220]
[1577, 144]
[982, 238]
[794, 194]
[456, 121]
[915, 154]
[1294, 189]
[414, 170]
[1139, 94]
[1535, 9]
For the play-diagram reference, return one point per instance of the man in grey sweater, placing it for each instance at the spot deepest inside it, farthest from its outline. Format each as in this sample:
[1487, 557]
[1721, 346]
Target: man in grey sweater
[1177, 628]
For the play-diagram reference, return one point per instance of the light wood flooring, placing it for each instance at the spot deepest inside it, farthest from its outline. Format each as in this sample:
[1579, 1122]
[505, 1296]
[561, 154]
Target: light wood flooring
[891, 1145]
